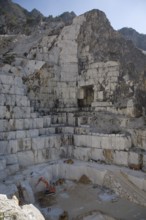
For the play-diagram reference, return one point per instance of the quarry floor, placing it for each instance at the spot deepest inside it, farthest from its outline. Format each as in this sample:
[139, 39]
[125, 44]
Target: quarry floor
[87, 202]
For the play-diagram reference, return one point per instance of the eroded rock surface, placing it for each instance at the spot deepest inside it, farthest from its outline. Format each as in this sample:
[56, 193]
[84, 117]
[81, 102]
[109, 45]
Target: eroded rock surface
[76, 93]
[72, 89]
[9, 209]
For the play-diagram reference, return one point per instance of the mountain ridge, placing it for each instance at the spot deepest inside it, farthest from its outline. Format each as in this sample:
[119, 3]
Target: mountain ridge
[17, 20]
[137, 38]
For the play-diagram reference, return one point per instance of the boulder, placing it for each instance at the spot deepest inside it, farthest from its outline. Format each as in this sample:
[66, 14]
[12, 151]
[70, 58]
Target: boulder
[9, 209]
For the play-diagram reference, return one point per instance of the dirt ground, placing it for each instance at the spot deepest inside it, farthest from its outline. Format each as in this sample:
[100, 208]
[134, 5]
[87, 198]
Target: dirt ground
[87, 202]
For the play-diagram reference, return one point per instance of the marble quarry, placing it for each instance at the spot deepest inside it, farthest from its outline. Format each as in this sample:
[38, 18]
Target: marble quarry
[77, 93]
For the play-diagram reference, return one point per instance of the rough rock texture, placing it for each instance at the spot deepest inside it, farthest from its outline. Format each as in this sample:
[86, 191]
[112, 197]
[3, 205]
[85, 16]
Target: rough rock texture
[14, 17]
[9, 209]
[72, 91]
[17, 20]
[138, 39]
[123, 187]
[80, 63]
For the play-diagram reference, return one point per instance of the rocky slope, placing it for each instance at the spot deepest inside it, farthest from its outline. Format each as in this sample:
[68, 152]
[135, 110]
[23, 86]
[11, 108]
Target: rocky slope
[138, 39]
[74, 68]
[106, 44]
[17, 20]
[74, 88]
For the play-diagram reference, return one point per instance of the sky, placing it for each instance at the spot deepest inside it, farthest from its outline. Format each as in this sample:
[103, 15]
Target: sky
[120, 13]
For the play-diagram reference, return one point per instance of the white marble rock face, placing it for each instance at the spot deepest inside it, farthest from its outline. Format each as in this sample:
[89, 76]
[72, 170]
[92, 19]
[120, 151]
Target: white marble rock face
[40, 116]
[61, 99]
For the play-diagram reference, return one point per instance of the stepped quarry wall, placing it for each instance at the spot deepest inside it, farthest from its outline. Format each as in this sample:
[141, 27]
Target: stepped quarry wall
[78, 93]
[66, 71]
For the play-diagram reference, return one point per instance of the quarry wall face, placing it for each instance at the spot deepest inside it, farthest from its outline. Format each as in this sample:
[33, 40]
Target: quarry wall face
[72, 93]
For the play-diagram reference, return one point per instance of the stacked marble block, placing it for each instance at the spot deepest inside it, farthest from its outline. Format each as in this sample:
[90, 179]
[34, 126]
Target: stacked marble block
[25, 138]
[138, 137]
[104, 148]
[99, 147]
[119, 149]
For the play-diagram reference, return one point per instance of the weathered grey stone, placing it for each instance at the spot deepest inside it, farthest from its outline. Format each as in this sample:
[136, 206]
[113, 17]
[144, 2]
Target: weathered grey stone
[20, 134]
[97, 155]
[18, 81]
[22, 100]
[81, 140]
[121, 158]
[47, 121]
[95, 141]
[28, 123]
[25, 158]
[117, 142]
[12, 169]
[55, 141]
[144, 159]
[103, 141]
[32, 133]
[135, 160]
[8, 89]
[3, 147]
[3, 125]
[11, 159]
[3, 112]
[4, 174]
[42, 131]
[11, 124]
[18, 91]
[27, 143]
[81, 153]
[38, 143]
[19, 124]
[10, 135]
[2, 163]
[27, 192]
[2, 99]
[13, 146]
[42, 155]
[50, 130]
[37, 123]
[21, 112]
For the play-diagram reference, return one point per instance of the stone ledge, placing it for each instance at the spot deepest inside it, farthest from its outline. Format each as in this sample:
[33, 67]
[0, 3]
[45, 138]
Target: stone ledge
[104, 141]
